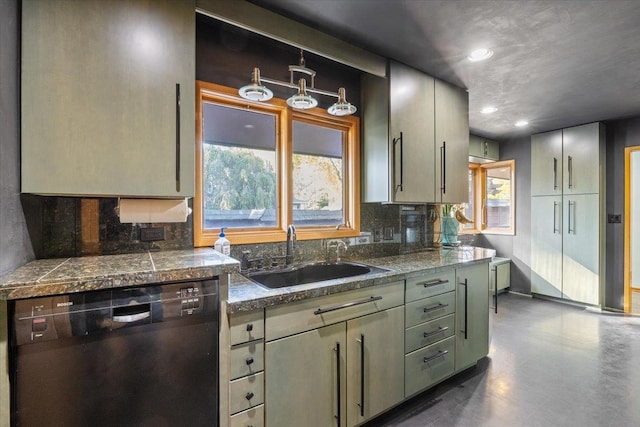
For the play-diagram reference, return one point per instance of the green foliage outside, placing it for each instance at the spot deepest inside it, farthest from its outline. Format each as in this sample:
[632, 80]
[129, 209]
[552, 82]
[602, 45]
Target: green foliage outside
[236, 178]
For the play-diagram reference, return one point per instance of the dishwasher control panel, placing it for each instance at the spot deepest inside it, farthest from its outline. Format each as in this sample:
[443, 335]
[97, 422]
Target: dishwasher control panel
[86, 313]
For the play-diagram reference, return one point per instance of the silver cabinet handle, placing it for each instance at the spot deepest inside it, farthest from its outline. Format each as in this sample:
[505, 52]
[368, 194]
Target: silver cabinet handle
[361, 404]
[443, 168]
[435, 282]
[345, 305]
[435, 307]
[398, 141]
[440, 353]
[572, 212]
[555, 173]
[555, 207]
[570, 167]
[338, 415]
[436, 332]
[466, 305]
[178, 137]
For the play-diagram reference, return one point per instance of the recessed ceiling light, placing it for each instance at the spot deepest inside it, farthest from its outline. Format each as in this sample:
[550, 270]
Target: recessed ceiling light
[249, 126]
[521, 123]
[480, 54]
[488, 110]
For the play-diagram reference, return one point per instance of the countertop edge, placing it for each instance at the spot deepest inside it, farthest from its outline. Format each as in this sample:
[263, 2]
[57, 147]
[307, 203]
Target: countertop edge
[255, 297]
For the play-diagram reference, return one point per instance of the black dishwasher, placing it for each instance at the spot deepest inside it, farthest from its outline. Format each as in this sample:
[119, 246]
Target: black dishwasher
[140, 356]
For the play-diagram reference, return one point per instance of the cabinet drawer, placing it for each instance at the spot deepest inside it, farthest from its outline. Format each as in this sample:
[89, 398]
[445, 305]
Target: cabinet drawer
[247, 359]
[426, 366]
[429, 308]
[245, 327]
[253, 417]
[430, 285]
[246, 392]
[289, 319]
[429, 332]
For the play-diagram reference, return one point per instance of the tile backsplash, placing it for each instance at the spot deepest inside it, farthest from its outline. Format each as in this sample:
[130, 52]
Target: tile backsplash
[73, 226]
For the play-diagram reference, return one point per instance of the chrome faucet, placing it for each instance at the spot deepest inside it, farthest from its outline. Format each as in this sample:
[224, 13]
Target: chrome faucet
[338, 246]
[291, 244]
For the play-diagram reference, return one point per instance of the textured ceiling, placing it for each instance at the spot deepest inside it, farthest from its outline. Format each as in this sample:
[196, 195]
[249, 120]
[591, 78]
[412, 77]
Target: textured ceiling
[556, 63]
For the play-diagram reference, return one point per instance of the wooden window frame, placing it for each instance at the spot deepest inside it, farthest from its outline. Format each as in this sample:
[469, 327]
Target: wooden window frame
[350, 125]
[480, 196]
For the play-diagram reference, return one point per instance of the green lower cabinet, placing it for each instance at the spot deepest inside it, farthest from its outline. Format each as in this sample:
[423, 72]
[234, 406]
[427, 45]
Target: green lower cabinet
[305, 379]
[472, 315]
[428, 366]
[339, 375]
[375, 364]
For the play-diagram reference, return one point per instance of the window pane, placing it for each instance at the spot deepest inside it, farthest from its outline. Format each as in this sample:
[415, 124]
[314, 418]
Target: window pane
[468, 210]
[318, 170]
[498, 187]
[239, 167]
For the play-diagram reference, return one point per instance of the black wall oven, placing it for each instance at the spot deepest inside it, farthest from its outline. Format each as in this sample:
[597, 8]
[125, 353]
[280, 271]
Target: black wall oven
[141, 356]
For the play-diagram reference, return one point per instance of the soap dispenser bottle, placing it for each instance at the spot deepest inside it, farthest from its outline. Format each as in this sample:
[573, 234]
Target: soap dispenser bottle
[222, 245]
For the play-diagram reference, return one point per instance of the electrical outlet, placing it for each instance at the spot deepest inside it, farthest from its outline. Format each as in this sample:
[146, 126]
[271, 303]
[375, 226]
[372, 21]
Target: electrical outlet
[614, 218]
[152, 234]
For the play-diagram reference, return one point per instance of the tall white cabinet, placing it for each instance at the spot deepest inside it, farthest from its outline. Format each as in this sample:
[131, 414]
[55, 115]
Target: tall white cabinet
[567, 213]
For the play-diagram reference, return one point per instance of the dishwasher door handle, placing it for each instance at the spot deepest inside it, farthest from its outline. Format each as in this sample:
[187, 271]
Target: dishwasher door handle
[128, 314]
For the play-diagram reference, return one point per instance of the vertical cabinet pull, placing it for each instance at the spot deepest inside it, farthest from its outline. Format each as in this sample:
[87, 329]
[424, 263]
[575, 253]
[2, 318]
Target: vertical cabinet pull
[361, 404]
[443, 167]
[338, 414]
[398, 141]
[572, 212]
[555, 173]
[178, 137]
[466, 305]
[555, 207]
[485, 149]
[570, 167]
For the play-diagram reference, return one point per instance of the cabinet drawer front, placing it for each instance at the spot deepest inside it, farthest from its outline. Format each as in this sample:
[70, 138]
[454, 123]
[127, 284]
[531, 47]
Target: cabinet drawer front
[246, 392]
[253, 417]
[289, 319]
[429, 308]
[245, 327]
[426, 366]
[430, 285]
[247, 359]
[429, 332]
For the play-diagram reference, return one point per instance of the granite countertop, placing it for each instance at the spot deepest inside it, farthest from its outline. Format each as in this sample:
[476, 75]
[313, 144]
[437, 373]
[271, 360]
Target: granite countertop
[246, 295]
[58, 276]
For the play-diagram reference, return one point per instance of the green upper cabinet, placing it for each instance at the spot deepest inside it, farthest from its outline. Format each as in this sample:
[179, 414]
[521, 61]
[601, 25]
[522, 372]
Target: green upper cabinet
[415, 138]
[108, 97]
[483, 150]
[452, 143]
[546, 164]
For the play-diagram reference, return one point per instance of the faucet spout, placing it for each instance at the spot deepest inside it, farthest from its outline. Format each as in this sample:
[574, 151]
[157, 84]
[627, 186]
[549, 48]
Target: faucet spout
[291, 244]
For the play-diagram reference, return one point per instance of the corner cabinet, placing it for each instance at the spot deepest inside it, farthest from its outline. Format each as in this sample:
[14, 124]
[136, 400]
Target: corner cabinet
[568, 213]
[108, 97]
[416, 138]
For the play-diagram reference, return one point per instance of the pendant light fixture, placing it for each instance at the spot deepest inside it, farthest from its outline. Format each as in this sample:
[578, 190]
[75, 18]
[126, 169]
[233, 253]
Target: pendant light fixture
[301, 100]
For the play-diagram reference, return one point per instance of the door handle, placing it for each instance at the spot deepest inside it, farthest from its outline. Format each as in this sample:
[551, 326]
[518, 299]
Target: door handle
[338, 414]
[555, 173]
[361, 404]
[572, 212]
[399, 141]
[570, 167]
[555, 207]
[443, 167]
[466, 306]
[178, 137]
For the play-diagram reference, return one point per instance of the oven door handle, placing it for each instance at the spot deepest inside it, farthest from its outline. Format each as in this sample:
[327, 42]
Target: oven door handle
[127, 315]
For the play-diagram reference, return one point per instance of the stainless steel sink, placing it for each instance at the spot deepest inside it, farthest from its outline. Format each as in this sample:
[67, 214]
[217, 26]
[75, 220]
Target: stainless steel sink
[310, 273]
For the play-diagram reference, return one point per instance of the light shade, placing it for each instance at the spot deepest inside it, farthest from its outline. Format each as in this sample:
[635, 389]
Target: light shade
[342, 107]
[255, 91]
[302, 100]
[480, 54]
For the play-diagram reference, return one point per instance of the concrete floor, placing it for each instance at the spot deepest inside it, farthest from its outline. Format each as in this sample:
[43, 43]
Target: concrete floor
[549, 364]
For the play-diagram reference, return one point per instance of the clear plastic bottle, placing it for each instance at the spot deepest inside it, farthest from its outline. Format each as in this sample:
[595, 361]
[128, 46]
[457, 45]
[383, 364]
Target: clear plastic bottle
[222, 245]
